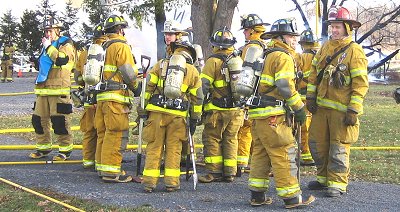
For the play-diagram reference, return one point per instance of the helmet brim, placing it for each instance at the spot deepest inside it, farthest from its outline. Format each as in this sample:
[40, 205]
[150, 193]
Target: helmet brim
[353, 23]
[225, 46]
[260, 24]
[184, 33]
[269, 35]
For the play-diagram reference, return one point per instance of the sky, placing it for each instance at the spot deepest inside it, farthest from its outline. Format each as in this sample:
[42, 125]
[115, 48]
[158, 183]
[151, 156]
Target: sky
[144, 40]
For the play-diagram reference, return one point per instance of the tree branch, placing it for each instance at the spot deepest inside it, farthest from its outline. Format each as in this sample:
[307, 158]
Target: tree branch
[303, 16]
[393, 14]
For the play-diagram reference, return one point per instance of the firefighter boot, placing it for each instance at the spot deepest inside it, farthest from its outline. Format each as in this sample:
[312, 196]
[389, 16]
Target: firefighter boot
[334, 192]
[121, 178]
[315, 185]
[258, 198]
[62, 156]
[173, 189]
[39, 154]
[298, 202]
[210, 178]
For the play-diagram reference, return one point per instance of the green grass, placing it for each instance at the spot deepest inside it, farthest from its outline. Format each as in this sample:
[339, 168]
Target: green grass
[379, 127]
[13, 199]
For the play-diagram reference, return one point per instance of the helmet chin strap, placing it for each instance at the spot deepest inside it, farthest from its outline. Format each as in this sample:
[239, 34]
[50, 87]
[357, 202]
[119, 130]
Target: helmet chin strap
[283, 39]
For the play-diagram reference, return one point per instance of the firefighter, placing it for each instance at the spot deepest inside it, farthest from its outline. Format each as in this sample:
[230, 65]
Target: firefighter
[310, 46]
[114, 101]
[224, 117]
[86, 123]
[53, 101]
[173, 32]
[253, 27]
[336, 90]
[173, 93]
[275, 95]
[7, 63]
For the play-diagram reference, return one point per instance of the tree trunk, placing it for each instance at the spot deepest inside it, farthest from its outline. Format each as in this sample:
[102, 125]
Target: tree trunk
[324, 30]
[224, 14]
[160, 19]
[202, 14]
[208, 16]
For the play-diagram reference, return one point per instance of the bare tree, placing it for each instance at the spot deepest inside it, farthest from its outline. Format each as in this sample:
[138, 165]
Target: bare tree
[379, 24]
[207, 17]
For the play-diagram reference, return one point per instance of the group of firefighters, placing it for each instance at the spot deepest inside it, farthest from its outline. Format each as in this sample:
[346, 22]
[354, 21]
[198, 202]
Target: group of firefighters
[249, 100]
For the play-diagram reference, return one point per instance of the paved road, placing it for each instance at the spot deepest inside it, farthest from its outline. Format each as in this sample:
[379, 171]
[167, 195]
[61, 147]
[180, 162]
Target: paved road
[71, 179]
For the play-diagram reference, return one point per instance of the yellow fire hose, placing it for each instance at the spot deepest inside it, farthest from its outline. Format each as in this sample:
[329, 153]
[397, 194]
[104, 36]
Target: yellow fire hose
[26, 130]
[40, 195]
[16, 94]
[134, 146]
[40, 162]
[27, 93]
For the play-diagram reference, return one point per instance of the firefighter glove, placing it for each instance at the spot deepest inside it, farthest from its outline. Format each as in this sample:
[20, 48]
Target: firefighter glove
[142, 113]
[192, 126]
[46, 42]
[351, 118]
[300, 116]
[311, 105]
